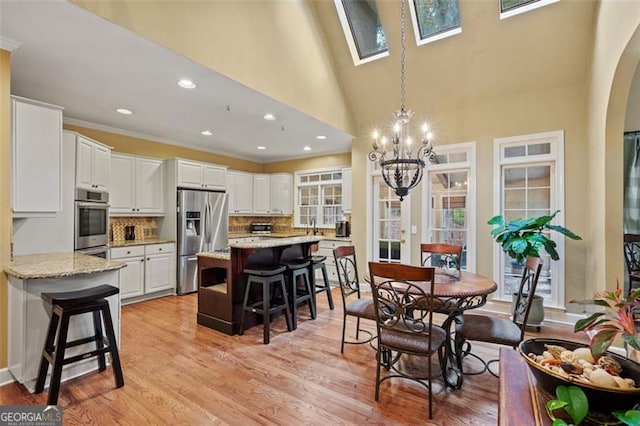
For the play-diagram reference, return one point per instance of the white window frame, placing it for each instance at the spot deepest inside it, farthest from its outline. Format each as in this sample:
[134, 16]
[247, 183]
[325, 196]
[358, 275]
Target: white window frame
[296, 194]
[556, 156]
[416, 29]
[348, 35]
[470, 165]
[524, 8]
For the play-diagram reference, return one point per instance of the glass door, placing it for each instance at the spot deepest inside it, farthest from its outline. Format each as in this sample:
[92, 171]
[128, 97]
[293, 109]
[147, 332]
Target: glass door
[390, 218]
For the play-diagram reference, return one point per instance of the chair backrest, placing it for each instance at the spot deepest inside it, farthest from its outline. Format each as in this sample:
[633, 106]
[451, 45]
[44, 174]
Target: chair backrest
[402, 295]
[347, 267]
[632, 252]
[440, 255]
[526, 292]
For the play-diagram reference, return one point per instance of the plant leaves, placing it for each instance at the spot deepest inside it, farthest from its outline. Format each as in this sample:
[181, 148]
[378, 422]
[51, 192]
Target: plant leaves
[601, 341]
[564, 231]
[586, 323]
[577, 404]
[555, 404]
[516, 225]
[558, 422]
[630, 417]
[496, 220]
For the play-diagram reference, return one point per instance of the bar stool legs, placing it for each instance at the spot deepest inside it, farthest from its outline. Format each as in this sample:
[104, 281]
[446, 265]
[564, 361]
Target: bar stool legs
[300, 269]
[317, 262]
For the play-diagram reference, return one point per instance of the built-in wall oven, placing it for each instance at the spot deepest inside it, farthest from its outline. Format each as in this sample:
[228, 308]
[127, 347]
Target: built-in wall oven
[91, 220]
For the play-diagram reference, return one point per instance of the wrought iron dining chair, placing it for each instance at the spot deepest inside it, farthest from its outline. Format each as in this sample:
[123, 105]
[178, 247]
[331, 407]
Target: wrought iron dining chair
[444, 256]
[405, 322]
[632, 259]
[353, 303]
[501, 331]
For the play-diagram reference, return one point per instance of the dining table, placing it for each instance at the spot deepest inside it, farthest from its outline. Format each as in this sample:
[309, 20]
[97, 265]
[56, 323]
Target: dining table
[453, 295]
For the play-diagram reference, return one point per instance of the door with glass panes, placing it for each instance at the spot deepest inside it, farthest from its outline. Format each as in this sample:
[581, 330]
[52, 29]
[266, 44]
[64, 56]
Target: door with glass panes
[390, 239]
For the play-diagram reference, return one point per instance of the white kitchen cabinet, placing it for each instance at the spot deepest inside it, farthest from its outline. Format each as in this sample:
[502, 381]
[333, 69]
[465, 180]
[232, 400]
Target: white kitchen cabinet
[36, 154]
[281, 193]
[261, 191]
[93, 163]
[240, 192]
[137, 186]
[150, 271]
[192, 174]
[346, 190]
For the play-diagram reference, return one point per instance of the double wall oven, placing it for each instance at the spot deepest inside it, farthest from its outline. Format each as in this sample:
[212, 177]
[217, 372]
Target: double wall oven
[92, 222]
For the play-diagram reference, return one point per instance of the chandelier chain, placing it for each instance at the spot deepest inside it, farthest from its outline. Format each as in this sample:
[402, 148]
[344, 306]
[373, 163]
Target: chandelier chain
[402, 57]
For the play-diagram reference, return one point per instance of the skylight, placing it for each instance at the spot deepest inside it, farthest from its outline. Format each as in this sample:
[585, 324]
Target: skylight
[515, 7]
[434, 19]
[362, 29]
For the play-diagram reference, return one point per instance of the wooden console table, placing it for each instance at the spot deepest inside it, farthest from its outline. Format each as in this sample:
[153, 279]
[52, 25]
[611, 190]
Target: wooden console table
[519, 401]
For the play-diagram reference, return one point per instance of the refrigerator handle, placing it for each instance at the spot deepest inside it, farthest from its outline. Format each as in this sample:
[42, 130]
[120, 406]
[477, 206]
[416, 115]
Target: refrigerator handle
[207, 225]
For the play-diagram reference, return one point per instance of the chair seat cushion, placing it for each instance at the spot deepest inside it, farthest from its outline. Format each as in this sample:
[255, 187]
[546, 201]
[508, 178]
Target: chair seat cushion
[318, 259]
[362, 308]
[296, 264]
[78, 297]
[488, 329]
[265, 271]
[401, 339]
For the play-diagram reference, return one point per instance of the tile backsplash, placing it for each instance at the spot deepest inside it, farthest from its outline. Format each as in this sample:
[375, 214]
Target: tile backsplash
[280, 224]
[146, 227]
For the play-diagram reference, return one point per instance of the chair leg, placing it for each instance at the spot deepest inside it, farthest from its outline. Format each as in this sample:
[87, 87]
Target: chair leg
[294, 304]
[48, 348]
[266, 316]
[344, 326]
[113, 346]
[97, 329]
[378, 362]
[283, 289]
[311, 292]
[244, 307]
[357, 328]
[58, 360]
[325, 277]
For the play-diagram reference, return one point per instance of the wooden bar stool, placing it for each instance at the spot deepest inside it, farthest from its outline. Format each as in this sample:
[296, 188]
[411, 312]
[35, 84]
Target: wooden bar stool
[299, 268]
[317, 262]
[65, 305]
[266, 277]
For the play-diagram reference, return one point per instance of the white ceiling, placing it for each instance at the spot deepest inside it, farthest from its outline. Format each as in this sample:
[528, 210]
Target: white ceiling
[73, 58]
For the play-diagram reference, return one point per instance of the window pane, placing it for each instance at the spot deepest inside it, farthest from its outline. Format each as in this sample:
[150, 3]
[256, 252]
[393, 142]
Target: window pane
[442, 159]
[539, 149]
[515, 151]
[512, 4]
[514, 199]
[539, 176]
[436, 16]
[539, 199]
[366, 28]
[514, 177]
[458, 157]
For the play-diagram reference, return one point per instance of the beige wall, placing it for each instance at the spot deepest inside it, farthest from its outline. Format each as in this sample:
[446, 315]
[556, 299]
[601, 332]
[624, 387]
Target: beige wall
[5, 210]
[616, 54]
[248, 41]
[333, 160]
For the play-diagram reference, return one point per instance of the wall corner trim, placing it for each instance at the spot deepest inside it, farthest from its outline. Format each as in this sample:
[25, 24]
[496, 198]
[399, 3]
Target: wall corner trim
[8, 44]
[5, 377]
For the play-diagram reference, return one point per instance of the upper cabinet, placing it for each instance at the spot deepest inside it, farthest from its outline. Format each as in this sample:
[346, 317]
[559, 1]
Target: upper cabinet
[261, 190]
[240, 192]
[36, 154]
[196, 175]
[137, 186]
[93, 163]
[281, 193]
[346, 190]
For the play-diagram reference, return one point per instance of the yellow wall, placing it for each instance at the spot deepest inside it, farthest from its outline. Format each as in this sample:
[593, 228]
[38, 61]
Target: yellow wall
[343, 159]
[5, 210]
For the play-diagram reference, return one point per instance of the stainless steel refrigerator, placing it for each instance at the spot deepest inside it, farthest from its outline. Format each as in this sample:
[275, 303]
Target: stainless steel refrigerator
[203, 222]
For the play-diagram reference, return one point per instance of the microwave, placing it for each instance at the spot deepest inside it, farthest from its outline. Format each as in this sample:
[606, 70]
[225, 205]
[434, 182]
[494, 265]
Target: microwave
[91, 219]
[261, 228]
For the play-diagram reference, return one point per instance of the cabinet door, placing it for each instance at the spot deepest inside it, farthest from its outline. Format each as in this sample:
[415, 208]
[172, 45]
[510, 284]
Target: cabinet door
[36, 157]
[261, 199]
[84, 158]
[149, 186]
[189, 174]
[101, 167]
[346, 190]
[213, 177]
[281, 192]
[159, 272]
[132, 277]
[244, 193]
[230, 185]
[121, 193]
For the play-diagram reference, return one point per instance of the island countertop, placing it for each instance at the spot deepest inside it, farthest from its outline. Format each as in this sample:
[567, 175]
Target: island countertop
[276, 242]
[56, 265]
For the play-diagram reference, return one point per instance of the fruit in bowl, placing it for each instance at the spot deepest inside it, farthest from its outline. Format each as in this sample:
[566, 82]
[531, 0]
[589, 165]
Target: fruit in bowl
[610, 383]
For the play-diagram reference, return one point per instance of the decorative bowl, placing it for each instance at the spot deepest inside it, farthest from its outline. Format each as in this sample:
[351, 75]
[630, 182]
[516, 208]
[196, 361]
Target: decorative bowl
[603, 400]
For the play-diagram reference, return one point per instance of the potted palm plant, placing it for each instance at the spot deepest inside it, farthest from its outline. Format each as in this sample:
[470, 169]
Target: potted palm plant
[521, 238]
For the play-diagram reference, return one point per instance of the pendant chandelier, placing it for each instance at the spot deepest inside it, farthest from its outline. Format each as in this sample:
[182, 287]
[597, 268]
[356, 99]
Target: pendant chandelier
[401, 170]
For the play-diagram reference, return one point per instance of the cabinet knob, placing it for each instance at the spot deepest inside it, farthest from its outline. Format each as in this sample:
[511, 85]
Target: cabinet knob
[160, 249]
[142, 260]
[128, 252]
[148, 258]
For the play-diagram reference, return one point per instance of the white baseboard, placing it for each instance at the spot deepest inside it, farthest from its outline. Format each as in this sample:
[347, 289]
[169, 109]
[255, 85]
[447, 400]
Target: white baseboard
[5, 377]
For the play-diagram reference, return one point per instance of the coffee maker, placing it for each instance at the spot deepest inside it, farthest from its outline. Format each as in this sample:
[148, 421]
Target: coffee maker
[342, 228]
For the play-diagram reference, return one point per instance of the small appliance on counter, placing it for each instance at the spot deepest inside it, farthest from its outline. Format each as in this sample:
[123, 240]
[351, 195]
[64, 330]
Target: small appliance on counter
[261, 228]
[129, 232]
[342, 228]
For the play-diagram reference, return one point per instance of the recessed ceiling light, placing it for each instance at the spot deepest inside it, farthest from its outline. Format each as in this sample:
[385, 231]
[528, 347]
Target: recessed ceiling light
[186, 83]
[262, 147]
[321, 137]
[269, 117]
[206, 132]
[124, 111]
[306, 148]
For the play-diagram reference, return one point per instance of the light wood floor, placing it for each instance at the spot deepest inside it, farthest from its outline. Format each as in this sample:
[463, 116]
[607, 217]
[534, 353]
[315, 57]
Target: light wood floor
[177, 372]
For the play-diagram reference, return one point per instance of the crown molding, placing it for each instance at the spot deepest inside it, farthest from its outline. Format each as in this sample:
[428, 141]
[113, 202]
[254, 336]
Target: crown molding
[8, 44]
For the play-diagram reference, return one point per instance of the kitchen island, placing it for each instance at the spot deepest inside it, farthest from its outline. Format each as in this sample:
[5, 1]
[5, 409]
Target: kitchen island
[30, 276]
[221, 283]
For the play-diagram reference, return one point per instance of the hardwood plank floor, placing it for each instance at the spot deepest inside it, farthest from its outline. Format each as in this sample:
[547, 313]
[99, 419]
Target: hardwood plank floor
[177, 372]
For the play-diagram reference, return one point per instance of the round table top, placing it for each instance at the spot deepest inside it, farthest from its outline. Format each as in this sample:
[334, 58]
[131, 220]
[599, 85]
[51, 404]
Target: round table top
[469, 284]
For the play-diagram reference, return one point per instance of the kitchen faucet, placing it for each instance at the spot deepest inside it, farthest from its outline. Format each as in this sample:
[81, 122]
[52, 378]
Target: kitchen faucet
[313, 224]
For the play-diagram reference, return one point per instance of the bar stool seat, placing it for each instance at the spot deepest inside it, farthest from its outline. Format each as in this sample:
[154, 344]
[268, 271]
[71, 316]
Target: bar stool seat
[64, 306]
[318, 262]
[266, 277]
[299, 268]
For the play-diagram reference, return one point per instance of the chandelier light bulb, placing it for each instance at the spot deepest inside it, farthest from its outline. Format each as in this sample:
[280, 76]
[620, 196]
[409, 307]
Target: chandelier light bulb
[383, 140]
[425, 128]
[396, 128]
[376, 135]
[408, 141]
[429, 136]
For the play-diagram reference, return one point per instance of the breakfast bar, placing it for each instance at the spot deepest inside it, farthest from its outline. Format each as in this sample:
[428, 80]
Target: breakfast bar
[221, 284]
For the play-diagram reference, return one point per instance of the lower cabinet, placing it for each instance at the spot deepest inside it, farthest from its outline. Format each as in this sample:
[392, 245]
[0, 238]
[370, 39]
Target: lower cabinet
[325, 248]
[150, 271]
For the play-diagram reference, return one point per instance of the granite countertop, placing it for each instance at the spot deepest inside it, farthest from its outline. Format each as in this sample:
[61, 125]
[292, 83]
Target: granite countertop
[215, 255]
[286, 235]
[147, 241]
[57, 265]
[277, 242]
